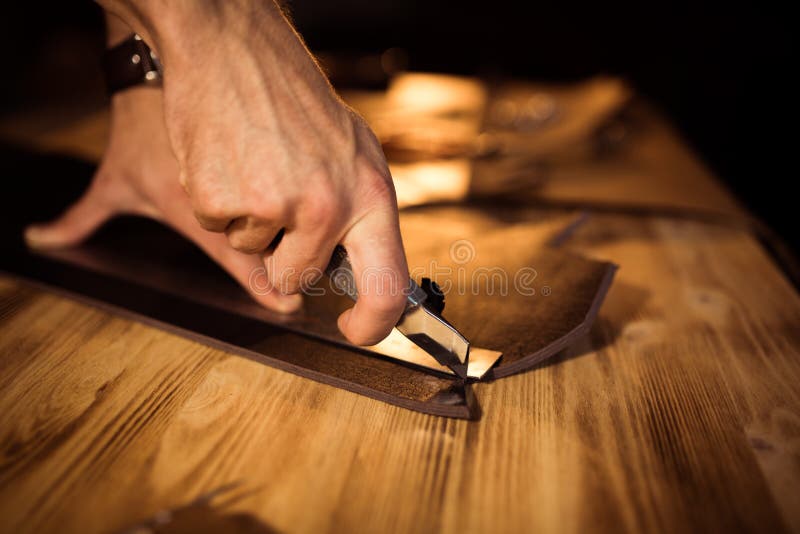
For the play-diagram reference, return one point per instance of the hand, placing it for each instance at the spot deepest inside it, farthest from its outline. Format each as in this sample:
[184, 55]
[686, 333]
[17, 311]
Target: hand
[266, 148]
[139, 175]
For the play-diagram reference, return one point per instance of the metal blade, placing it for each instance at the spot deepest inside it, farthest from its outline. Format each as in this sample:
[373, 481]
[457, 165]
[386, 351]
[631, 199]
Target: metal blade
[437, 337]
[422, 326]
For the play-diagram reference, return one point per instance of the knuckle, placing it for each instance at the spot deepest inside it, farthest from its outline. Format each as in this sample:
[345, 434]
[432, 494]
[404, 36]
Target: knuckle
[243, 242]
[272, 210]
[321, 209]
[378, 188]
[210, 205]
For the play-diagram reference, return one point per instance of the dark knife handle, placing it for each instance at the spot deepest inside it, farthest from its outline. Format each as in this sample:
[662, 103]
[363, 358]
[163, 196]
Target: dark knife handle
[340, 273]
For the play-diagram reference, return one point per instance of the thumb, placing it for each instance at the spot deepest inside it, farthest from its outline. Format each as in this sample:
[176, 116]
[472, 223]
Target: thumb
[76, 224]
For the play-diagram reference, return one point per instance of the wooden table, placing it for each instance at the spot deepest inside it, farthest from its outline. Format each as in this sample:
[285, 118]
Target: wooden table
[681, 411]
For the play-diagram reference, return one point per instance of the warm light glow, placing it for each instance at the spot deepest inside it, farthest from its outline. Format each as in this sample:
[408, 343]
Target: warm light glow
[431, 181]
[435, 93]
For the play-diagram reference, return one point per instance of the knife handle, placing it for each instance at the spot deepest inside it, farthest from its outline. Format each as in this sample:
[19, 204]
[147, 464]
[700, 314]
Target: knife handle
[340, 272]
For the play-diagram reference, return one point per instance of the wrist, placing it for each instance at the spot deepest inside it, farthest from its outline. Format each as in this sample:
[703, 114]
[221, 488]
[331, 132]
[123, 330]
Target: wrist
[124, 17]
[186, 32]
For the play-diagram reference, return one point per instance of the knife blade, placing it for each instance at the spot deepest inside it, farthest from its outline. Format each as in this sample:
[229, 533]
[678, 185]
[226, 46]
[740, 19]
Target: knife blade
[419, 323]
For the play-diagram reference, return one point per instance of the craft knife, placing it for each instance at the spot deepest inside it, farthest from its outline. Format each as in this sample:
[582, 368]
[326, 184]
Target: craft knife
[421, 321]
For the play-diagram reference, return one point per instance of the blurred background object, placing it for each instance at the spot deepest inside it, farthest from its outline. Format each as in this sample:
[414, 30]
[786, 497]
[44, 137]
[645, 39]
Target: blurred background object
[720, 71]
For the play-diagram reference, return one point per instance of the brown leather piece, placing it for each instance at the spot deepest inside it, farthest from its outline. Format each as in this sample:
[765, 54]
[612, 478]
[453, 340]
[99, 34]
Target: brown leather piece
[372, 376]
[139, 268]
[485, 306]
[557, 296]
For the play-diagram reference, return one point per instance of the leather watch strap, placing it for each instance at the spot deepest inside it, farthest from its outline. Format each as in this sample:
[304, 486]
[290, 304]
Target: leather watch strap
[131, 63]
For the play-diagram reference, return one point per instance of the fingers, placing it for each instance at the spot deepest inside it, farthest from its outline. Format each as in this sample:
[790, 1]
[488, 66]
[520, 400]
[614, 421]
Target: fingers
[213, 209]
[251, 235]
[248, 270]
[381, 273]
[215, 206]
[212, 222]
[299, 260]
[77, 223]
[249, 230]
[303, 253]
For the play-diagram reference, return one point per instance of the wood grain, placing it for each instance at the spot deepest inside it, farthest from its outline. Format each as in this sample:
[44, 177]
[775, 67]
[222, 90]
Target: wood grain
[526, 318]
[146, 272]
[679, 413]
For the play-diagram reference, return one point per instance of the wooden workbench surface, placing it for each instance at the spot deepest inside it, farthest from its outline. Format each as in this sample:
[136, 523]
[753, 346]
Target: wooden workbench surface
[680, 411]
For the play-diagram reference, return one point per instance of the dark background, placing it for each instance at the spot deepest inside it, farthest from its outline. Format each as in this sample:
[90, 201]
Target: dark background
[722, 72]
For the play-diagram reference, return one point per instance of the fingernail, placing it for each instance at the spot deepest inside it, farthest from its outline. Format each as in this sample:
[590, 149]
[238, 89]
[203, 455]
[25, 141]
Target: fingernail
[289, 303]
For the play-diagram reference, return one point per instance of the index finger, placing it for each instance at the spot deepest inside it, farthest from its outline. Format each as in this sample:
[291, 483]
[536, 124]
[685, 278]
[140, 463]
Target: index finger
[380, 270]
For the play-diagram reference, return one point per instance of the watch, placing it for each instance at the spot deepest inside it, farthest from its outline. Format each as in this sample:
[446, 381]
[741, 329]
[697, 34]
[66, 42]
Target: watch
[131, 63]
